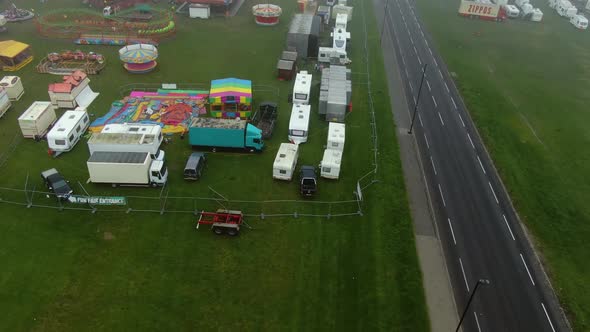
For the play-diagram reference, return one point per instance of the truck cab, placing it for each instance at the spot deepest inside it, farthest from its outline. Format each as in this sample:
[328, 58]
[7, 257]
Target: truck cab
[158, 173]
[308, 184]
[253, 140]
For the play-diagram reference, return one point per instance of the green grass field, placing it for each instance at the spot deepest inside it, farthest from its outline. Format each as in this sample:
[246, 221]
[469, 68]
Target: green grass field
[72, 271]
[526, 86]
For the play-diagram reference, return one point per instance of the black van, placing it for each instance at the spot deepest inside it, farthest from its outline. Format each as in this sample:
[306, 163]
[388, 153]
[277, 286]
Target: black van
[194, 166]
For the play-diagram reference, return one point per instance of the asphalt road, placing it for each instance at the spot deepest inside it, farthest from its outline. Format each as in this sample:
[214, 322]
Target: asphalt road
[480, 231]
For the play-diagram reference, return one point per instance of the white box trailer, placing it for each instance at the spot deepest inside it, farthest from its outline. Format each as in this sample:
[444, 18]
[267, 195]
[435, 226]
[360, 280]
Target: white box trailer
[126, 168]
[330, 165]
[341, 9]
[566, 9]
[13, 86]
[36, 120]
[4, 102]
[285, 162]
[341, 21]
[302, 88]
[197, 10]
[299, 123]
[68, 130]
[336, 136]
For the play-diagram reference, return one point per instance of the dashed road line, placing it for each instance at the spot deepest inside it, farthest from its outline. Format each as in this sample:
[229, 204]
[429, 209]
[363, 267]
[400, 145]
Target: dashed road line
[547, 315]
[509, 229]
[453, 100]
[434, 100]
[427, 83]
[493, 192]
[426, 139]
[464, 276]
[527, 269]
[470, 140]
[446, 86]
[481, 165]
[440, 73]
[442, 196]
[415, 50]
[477, 321]
[441, 120]
[452, 231]
[436, 63]
[420, 118]
[406, 70]
[420, 61]
[461, 118]
[426, 41]
[433, 167]
[429, 50]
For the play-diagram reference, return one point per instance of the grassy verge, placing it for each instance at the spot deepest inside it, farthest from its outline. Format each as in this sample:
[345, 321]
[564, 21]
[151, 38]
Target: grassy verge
[526, 87]
[116, 271]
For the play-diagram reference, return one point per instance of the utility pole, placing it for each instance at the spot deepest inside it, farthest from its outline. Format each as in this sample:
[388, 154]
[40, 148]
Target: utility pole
[479, 282]
[418, 98]
[383, 22]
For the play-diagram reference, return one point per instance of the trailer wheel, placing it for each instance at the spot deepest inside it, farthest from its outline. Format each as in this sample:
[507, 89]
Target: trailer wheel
[232, 232]
[154, 185]
[218, 230]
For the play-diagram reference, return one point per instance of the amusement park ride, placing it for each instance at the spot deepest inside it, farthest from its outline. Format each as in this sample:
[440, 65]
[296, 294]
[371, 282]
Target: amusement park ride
[68, 62]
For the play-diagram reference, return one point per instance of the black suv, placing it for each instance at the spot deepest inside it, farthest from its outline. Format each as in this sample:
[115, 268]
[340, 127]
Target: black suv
[194, 166]
[56, 183]
[308, 183]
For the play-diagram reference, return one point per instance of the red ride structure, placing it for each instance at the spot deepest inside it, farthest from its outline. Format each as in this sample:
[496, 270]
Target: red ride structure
[222, 221]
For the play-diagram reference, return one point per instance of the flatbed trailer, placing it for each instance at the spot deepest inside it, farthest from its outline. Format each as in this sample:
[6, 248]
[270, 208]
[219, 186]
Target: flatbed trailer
[222, 221]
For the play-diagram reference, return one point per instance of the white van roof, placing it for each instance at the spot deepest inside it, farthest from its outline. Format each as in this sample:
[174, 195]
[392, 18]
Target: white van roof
[131, 128]
[302, 82]
[285, 156]
[68, 121]
[300, 117]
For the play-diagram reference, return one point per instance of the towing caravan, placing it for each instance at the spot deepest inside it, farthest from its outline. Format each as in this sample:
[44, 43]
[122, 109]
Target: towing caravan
[285, 162]
[299, 123]
[336, 133]
[330, 166]
[67, 131]
[302, 88]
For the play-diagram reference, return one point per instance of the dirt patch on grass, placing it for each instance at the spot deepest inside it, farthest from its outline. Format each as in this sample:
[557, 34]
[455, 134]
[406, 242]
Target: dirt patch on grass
[108, 236]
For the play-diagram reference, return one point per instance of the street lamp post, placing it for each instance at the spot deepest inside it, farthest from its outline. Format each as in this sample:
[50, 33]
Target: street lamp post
[479, 282]
[418, 98]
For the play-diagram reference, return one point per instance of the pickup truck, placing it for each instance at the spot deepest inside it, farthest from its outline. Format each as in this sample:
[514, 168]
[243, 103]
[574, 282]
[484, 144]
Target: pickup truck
[265, 118]
[308, 184]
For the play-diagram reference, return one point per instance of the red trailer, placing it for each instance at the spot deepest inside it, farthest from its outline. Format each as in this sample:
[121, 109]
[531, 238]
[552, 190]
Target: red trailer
[482, 10]
[222, 221]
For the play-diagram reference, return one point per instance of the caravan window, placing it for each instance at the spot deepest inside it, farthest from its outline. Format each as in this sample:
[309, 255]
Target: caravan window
[60, 142]
[297, 132]
[79, 128]
[160, 137]
[71, 137]
[86, 119]
[334, 144]
[326, 169]
[301, 96]
[282, 171]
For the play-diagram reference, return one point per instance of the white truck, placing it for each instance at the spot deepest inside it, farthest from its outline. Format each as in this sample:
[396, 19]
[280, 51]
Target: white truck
[126, 169]
[144, 139]
[579, 21]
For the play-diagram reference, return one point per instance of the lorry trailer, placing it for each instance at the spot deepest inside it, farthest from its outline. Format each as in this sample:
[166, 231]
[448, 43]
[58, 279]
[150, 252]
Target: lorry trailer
[225, 133]
[126, 168]
[116, 142]
[482, 10]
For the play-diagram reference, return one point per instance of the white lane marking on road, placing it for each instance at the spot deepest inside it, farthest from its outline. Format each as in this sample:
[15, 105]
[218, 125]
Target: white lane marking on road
[446, 86]
[411, 87]
[477, 321]
[403, 60]
[470, 140]
[433, 167]
[453, 100]
[509, 229]
[461, 118]
[440, 73]
[426, 41]
[429, 50]
[441, 195]
[464, 276]
[452, 231]
[547, 315]
[434, 100]
[420, 61]
[414, 97]
[422, 33]
[411, 40]
[493, 192]
[426, 139]
[481, 165]
[436, 63]
[427, 83]
[420, 118]
[441, 120]
[527, 269]
[406, 70]
[415, 50]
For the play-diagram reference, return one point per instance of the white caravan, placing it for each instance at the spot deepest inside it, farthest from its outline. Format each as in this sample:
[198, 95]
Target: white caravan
[302, 88]
[341, 21]
[333, 56]
[511, 11]
[129, 138]
[285, 162]
[330, 165]
[566, 9]
[36, 120]
[68, 130]
[336, 136]
[579, 22]
[299, 123]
